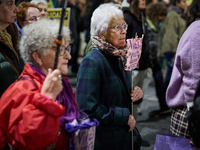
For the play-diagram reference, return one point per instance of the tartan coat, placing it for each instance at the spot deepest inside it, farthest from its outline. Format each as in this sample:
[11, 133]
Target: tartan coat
[100, 94]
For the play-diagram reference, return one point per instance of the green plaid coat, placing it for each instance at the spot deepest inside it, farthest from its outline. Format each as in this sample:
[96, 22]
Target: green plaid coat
[100, 94]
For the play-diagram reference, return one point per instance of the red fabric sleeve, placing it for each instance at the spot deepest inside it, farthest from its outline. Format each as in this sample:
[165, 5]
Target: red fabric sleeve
[28, 119]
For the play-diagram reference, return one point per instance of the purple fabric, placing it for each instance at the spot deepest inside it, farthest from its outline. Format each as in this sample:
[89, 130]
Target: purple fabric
[186, 70]
[67, 99]
[70, 129]
[19, 29]
[170, 142]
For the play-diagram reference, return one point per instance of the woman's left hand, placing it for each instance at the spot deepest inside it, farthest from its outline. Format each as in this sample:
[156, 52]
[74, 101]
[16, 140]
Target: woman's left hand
[136, 94]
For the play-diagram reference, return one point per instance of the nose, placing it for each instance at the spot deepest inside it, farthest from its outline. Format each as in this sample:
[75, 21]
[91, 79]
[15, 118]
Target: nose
[42, 12]
[67, 55]
[16, 10]
[123, 30]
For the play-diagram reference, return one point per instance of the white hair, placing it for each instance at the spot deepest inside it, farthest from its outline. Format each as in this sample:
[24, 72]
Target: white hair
[39, 36]
[102, 16]
[36, 2]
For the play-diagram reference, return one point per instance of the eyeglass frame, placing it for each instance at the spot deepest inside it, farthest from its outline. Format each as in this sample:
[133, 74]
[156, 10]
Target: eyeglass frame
[124, 26]
[66, 49]
[41, 9]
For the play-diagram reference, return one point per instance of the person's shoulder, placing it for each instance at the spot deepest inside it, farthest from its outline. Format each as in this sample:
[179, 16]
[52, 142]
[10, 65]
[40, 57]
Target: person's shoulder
[195, 24]
[94, 56]
[12, 30]
[126, 10]
[127, 13]
[94, 53]
[173, 14]
[192, 32]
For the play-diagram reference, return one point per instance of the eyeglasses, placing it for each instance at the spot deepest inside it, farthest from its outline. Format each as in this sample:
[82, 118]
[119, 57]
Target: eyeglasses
[41, 9]
[63, 49]
[34, 19]
[119, 28]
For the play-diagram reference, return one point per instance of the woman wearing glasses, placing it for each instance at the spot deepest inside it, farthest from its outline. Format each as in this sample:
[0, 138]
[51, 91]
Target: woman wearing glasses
[103, 86]
[35, 108]
[28, 14]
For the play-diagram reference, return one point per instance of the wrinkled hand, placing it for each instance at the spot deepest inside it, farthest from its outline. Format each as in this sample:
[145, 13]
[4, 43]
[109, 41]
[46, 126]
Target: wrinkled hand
[131, 122]
[52, 85]
[136, 94]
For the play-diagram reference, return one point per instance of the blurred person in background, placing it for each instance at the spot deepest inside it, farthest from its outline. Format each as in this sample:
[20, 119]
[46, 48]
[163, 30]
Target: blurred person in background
[10, 60]
[91, 6]
[156, 13]
[42, 5]
[12, 64]
[75, 26]
[175, 25]
[103, 87]
[28, 14]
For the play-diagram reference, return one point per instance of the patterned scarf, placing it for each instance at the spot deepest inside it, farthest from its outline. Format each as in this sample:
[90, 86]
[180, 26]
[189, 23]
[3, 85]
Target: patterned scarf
[109, 48]
[6, 37]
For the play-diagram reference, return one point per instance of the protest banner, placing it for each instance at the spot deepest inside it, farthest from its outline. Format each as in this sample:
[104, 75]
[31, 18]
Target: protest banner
[132, 62]
[55, 14]
[134, 53]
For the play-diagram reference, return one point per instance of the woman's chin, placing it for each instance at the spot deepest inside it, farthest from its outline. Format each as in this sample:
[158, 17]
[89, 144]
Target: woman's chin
[64, 72]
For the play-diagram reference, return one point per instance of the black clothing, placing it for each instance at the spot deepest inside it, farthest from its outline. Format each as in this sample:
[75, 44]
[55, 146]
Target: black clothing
[136, 27]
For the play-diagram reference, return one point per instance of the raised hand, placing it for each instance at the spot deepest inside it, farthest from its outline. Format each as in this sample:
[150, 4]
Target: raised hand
[52, 85]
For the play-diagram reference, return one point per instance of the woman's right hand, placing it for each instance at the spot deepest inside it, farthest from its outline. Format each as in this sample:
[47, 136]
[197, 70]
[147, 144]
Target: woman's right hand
[131, 122]
[52, 85]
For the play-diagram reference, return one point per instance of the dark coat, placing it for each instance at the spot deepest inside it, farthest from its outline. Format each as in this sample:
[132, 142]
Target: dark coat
[7, 74]
[100, 94]
[135, 26]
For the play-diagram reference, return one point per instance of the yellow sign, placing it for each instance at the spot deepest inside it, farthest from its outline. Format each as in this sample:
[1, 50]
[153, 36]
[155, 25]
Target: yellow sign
[55, 14]
[188, 2]
[50, 4]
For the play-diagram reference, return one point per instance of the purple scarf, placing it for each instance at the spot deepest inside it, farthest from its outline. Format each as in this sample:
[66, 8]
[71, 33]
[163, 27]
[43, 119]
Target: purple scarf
[66, 98]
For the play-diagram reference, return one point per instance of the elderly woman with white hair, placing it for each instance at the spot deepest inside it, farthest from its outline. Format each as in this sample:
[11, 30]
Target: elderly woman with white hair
[42, 4]
[35, 108]
[103, 88]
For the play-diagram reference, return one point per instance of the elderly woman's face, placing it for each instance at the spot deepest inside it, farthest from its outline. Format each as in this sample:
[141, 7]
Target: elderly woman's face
[43, 10]
[116, 32]
[32, 15]
[47, 61]
[8, 12]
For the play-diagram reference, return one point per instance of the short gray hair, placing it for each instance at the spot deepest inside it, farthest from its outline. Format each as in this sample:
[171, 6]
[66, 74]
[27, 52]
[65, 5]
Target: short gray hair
[102, 16]
[39, 36]
[36, 2]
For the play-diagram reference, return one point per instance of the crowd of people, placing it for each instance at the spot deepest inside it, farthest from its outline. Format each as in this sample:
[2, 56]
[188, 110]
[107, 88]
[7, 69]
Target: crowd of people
[37, 100]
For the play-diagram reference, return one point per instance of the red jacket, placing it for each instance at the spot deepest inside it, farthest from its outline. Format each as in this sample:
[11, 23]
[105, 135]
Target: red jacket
[28, 119]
